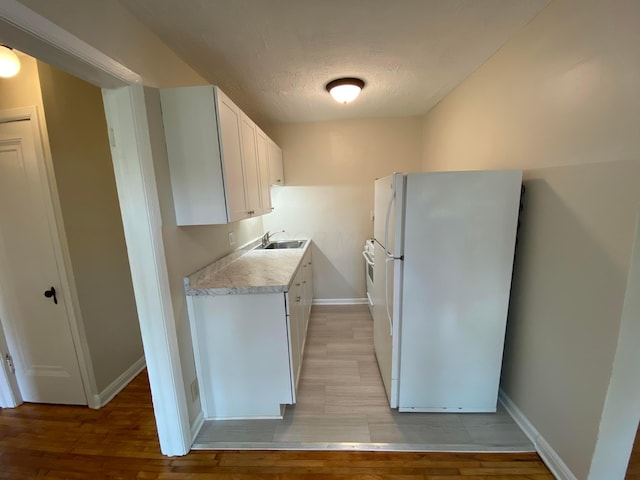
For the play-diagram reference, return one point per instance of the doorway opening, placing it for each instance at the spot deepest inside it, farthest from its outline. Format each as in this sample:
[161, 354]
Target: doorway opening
[126, 114]
[68, 308]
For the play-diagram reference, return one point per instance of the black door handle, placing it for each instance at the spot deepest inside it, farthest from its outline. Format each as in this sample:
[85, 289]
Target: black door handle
[51, 293]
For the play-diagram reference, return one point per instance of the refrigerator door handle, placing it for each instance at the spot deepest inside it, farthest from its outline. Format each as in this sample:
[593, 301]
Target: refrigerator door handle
[386, 223]
[386, 292]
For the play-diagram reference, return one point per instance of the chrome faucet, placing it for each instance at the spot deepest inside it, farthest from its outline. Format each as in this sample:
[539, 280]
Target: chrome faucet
[266, 238]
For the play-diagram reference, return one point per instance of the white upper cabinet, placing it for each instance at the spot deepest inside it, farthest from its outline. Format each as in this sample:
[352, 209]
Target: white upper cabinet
[276, 170]
[231, 153]
[250, 163]
[214, 158]
[262, 142]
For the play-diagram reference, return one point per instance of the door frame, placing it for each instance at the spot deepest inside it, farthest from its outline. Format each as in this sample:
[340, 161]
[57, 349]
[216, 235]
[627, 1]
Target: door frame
[68, 290]
[8, 383]
[126, 116]
[620, 414]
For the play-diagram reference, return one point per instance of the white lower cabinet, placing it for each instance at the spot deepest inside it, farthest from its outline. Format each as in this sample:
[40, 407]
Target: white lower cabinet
[297, 326]
[249, 347]
[299, 299]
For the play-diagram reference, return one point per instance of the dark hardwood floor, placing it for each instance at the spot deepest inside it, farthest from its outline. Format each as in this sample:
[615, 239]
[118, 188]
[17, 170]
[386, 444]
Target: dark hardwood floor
[633, 469]
[120, 442]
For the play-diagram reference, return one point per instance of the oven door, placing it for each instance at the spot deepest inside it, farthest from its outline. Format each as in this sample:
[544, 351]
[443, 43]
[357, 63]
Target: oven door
[369, 276]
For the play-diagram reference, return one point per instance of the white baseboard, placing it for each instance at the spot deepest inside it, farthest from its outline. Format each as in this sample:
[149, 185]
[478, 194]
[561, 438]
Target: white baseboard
[340, 301]
[548, 454]
[119, 383]
[196, 426]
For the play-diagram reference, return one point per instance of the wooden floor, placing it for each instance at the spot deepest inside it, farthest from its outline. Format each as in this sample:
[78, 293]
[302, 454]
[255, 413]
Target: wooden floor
[120, 442]
[633, 469]
[342, 404]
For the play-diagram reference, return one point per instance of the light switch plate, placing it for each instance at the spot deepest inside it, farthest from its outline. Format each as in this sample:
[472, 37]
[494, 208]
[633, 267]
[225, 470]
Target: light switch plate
[232, 240]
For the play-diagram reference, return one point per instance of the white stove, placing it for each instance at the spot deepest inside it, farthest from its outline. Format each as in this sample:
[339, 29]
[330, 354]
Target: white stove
[368, 255]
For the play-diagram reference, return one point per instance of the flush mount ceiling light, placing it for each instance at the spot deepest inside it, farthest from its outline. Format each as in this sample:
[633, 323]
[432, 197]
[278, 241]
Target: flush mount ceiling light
[345, 90]
[9, 62]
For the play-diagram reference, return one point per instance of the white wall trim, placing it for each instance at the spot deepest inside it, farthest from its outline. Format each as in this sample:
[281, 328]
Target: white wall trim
[9, 392]
[126, 114]
[7, 397]
[119, 383]
[621, 412]
[71, 49]
[196, 426]
[546, 452]
[340, 301]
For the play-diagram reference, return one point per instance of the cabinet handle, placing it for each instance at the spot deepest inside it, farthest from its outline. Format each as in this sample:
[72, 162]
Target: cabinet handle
[278, 180]
[298, 284]
[298, 299]
[304, 282]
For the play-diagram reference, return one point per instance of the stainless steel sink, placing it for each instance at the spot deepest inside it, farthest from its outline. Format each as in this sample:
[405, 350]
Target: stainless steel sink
[282, 244]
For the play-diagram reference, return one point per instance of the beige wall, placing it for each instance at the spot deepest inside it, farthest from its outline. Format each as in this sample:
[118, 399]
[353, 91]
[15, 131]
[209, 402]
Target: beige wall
[91, 213]
[110, 28]
[329, 171]
[559, 100]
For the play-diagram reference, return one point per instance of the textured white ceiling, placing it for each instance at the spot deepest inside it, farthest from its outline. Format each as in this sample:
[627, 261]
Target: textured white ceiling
[274, 57]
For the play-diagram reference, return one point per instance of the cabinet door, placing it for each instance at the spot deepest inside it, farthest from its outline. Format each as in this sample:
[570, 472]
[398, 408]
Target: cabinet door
[299, 307]
[241, 352]
[276, 169]
[250, 164]
[295, 348]
[263, 165]
[231, 149]
[193, 149]
[308, 286]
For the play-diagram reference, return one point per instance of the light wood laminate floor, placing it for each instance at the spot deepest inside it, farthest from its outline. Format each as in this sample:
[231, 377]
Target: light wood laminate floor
[342, 404]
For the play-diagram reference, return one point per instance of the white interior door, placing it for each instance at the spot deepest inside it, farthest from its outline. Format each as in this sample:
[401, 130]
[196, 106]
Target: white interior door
[36, 327]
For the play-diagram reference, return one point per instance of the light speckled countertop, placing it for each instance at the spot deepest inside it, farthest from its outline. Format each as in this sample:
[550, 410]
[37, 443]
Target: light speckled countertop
[247, 271]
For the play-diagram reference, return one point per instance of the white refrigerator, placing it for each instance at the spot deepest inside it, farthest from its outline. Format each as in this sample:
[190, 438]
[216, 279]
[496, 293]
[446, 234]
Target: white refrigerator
[444, 246]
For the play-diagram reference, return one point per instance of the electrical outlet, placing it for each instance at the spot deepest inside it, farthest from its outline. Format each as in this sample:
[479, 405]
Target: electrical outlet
[232, 239]
[195, 390]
